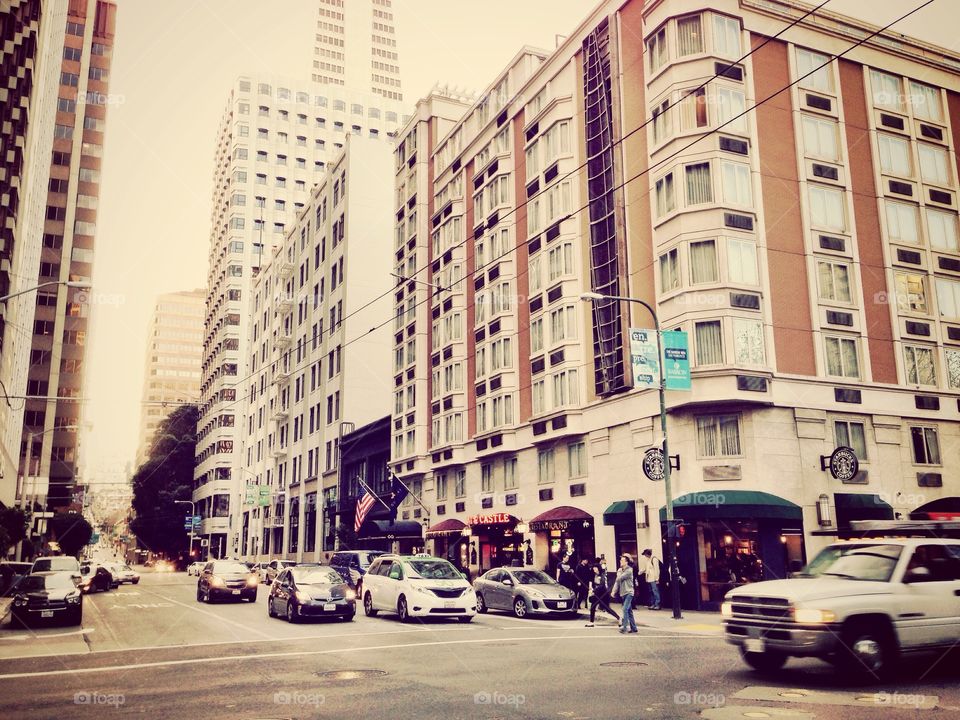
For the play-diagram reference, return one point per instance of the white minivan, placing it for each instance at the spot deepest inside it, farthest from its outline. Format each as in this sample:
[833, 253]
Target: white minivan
[417, 586]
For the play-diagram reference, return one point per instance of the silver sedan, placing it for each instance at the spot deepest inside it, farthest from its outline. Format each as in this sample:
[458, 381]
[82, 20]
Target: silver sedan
[523, 591]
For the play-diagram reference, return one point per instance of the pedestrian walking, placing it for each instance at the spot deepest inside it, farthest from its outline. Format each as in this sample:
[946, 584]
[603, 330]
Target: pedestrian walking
[624, 588]
[584, 574]
[599, 594]
[565, 575]
[652, 575]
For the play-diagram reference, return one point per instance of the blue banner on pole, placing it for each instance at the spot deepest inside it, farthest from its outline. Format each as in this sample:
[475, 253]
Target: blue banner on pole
[676, 360]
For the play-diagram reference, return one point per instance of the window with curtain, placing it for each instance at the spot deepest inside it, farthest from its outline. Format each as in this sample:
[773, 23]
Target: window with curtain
[948, 298]
[842, 357]
[689, 36]
[926, 102]
[699, 190]
[826, 208]
[703, 262]
[657, 49]
[718, 436]
[670, 270]
[742, 261]
[953, 367]
[748, 347]
[848, 433]
[902, 223]
[709, 339]
[934, 164]
[539, 397]
[894, 155]
[820, 78]
[536, 335]
[666, 200]
[730, 104]
[834, 281]
[726, 37]
[926, 445]
[911, 293]
[545, 465]
[662, 121]
[942, 228]
[693, 109]
[735, 181]
[918, 365]
[820, 138]
[886, 90]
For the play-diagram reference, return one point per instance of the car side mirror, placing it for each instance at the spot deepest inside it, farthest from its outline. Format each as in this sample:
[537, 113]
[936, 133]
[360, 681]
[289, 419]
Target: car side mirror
[507, 581]
[918, 574]
[464, 576]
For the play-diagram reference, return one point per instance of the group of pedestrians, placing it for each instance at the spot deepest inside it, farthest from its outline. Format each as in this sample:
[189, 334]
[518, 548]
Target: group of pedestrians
[589, 581]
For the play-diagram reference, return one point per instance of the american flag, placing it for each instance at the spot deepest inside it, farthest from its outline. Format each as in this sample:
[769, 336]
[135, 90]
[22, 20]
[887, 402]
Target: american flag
[364, 503]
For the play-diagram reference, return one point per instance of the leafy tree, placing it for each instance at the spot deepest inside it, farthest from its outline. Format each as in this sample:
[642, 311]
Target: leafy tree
[166, 476]
[71, 531]
[13, 528]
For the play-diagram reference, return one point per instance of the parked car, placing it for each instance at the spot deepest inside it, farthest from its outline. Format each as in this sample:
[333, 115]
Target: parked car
[226, 579]
[195, 568]
[47, 596]
[417, 586]
[873, 604]
[274, 567]
[523, 591]
[11, 573]
[95, 577]
[124, 573]
[260, 569]
[58, 563]
[311, 591]
[353, 565]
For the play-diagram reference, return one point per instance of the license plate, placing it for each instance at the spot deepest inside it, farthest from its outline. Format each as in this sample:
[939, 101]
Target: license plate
[449, 604]
[561, 605]
[329, 607]
[236, 592]
[46, 613]
[753, 645]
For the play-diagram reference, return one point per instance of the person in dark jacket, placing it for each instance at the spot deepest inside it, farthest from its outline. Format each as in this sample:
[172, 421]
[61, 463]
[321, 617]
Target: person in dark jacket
[584, 575]
[600, 594]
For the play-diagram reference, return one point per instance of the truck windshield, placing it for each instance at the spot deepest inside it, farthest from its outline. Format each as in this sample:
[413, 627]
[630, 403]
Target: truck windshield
[826, 557]
[870, 562]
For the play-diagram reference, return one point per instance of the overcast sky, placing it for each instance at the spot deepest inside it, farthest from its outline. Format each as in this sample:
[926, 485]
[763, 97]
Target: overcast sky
[173, 64]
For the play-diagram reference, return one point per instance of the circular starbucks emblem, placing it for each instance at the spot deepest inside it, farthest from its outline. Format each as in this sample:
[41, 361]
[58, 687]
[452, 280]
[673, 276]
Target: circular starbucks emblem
[844, 464]
[653, 464]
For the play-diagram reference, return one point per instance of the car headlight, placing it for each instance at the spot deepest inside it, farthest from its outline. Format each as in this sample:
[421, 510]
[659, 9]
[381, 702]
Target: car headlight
[302, 596]
[726, 609]
[425, 591]
[252, 581]
[73, 599]
[813, 615]
[351, 595]
[216, 581]
[20, 601]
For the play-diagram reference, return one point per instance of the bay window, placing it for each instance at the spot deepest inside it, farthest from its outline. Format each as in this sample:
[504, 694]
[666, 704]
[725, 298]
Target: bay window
[699, 189]
[726, 37]
[709, 340]
[689, 36]
[742, 261]
[666, 202]
[703, 262]
[735, 182]
[748, 346]
[731, 104]
[670, 271]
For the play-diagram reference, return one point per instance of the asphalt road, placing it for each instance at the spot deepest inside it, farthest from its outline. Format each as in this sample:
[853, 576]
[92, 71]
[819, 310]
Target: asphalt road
[152, 650]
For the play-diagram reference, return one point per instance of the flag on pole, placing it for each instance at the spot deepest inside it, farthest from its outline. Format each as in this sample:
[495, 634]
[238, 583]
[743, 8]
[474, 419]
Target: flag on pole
[398, 492]
[364, 503]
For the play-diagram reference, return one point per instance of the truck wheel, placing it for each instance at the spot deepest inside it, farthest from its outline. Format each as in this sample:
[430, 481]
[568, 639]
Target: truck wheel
[867, 652]
[765, 662]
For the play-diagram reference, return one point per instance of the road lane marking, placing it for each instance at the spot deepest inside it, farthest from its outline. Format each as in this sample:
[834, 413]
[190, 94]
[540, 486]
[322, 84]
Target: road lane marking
[292, 654]
[243, 626]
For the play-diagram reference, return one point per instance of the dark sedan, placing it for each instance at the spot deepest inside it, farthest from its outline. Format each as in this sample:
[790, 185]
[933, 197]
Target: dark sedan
[47, 596]
[311, 591]
[95, 577]
[227, 579]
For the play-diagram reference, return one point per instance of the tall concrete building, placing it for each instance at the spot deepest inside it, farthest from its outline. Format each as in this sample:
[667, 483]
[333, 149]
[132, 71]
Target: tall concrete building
[808, 246]
[274, 143]
[30, 61]
[172, 366]
[55, 378]
[320, 353]
[356, 47]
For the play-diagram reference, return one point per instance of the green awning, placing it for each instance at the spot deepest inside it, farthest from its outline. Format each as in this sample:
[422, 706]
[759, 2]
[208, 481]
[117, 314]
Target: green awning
[732, 504]
[861, 506]
[621, 512]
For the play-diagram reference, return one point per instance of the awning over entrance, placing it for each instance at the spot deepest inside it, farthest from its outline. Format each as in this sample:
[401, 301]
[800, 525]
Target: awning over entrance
[947, 508]
[621, 512]
[733, 504]
[564, 517]
[448, 528]
[860, 506]
[386, 530]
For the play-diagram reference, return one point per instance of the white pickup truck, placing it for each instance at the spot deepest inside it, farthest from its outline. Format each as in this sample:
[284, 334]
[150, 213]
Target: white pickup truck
[860, 605]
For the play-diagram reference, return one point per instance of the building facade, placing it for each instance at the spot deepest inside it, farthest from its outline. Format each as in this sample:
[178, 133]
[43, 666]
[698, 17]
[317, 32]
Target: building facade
[172, 366]
[274, 143]
[54, 386]
[30, 58]
[319, 355]
[796, 216]
[364, 31]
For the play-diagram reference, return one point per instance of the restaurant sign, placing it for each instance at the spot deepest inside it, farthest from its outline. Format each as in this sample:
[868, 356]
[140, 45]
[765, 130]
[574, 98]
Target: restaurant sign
[491, 519]
[561, 525]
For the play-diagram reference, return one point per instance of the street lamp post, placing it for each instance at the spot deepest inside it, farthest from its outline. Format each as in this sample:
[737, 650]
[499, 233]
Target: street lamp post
[192, 516]
[77, 284]
[671, 528]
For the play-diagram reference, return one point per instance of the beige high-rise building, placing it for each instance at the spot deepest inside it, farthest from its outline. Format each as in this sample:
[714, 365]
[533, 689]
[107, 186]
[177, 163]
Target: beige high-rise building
[173, 359]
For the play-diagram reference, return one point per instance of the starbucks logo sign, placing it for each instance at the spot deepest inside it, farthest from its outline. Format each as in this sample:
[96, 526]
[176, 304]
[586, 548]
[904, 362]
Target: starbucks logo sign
[653, 464]
[844, 464]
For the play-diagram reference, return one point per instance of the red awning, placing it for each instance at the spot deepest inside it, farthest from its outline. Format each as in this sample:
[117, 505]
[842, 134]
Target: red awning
[447, 528]
[559, 518]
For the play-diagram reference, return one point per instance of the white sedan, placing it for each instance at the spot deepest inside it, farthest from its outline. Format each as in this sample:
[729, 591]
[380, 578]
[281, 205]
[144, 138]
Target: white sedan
[195, 568]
